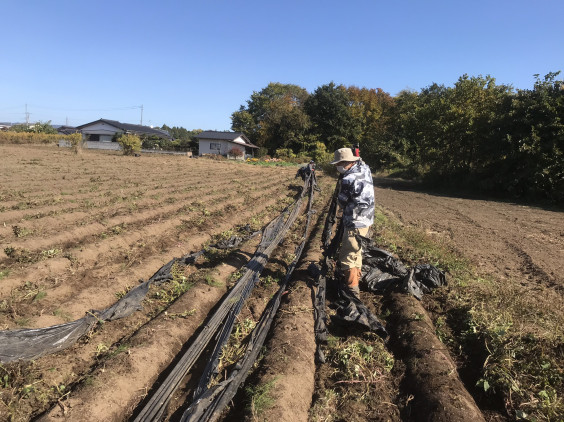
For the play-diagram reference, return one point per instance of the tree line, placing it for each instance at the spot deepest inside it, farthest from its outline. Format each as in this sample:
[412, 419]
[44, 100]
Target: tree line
[476, 133]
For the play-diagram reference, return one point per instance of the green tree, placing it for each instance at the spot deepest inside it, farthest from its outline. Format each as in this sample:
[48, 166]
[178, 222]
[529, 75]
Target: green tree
[331, 116]
[454, 131]
[183, 139]
[372, 110]
[536, 137]
[474, 108]
[37, 127]
[274, 117]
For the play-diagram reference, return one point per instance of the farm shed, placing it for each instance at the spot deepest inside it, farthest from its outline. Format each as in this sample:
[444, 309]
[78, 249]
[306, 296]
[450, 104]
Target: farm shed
[214, 142]
[103, 130]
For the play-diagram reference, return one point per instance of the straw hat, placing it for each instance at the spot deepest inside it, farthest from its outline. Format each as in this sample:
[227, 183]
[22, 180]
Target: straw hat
[344, 154]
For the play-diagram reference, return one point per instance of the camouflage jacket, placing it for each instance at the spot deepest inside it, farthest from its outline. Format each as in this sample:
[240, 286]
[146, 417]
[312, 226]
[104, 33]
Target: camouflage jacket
[357, 196]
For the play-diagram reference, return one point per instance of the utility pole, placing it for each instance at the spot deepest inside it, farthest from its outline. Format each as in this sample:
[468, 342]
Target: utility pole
[141, 114]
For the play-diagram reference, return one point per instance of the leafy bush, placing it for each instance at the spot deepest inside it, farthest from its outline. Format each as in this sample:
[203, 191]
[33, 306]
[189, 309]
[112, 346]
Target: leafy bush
[75, 140]
[320, 154]
[216, 157]
[285, 153]
[155, 142]
[37, 127]
[130, 144]
[235, 152]
[262, 152]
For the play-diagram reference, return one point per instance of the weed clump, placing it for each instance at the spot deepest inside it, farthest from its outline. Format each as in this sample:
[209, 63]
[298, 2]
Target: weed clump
[260, 398]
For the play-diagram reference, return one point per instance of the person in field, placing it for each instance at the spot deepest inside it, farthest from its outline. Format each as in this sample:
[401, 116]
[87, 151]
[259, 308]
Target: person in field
[356, 197]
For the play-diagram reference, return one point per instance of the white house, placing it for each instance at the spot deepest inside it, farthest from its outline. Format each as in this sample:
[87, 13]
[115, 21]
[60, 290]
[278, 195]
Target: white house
[103, 130]
[224, 143]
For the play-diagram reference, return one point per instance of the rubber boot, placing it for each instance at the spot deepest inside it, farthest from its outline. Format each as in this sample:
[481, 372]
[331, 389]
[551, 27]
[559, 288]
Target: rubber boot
[352, 277]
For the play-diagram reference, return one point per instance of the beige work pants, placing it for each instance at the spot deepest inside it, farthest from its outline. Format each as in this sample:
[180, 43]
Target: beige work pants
[350, 254]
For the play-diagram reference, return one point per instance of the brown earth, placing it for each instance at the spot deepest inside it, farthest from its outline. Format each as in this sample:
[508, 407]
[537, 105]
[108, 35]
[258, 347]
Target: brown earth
[78, 231]
[516, 243]
[516, 253]
[115, 220]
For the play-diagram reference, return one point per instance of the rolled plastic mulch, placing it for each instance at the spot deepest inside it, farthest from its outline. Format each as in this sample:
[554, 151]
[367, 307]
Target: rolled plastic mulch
[438, 393]
[224, 317]
[209, 403]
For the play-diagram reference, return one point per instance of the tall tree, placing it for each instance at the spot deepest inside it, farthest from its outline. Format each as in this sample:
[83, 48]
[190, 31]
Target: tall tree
[372, 110]
[331, 116]
[537, 139]
[274, 117]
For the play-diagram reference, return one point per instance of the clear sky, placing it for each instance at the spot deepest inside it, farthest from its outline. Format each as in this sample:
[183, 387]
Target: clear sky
[193, 63]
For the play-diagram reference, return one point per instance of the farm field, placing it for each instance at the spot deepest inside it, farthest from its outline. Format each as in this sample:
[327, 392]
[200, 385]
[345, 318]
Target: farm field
[77, 232]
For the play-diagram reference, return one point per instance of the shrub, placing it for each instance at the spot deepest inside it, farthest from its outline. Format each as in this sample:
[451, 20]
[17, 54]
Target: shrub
[75, 140]
[37, 127]
[216, 157]
[236, 152]
[155, 142]
[130, 144]
[285, 153]
[319, 153]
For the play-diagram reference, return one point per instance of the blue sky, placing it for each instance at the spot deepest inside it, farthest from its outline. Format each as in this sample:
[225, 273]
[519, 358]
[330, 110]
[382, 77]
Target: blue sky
[193, 63]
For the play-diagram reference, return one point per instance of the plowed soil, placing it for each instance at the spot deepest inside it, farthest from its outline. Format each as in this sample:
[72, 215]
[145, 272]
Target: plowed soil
[78, 231]
[518, 243]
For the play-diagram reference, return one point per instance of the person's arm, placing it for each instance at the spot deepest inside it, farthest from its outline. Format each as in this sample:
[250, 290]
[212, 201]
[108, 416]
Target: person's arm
[345, 194]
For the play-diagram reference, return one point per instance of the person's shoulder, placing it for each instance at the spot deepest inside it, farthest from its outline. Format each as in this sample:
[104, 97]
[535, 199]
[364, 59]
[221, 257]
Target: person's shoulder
[365, 168]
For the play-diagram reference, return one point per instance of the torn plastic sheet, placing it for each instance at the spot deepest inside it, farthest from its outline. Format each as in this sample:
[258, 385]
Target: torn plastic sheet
[33, 343]
[351, 309]
[382, 271]
[235, 240]
[27, 344]
[320, 316]
[422, 279]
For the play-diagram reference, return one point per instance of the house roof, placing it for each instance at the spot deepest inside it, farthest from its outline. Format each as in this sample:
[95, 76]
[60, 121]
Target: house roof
[128, 127]
[66, 130]
[226, 136]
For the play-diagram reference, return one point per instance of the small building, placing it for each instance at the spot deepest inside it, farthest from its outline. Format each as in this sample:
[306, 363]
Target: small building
[234, 144]
[104, 130]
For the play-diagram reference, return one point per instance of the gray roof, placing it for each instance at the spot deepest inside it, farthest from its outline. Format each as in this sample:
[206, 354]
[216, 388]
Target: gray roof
[66, 130]
[224, 136]
[128, 127]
